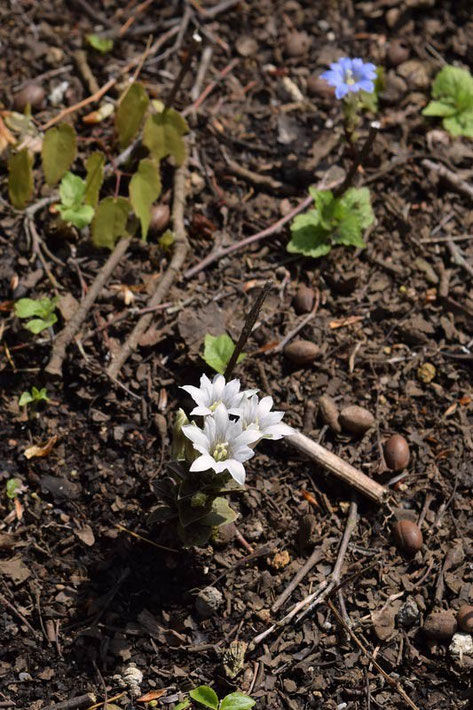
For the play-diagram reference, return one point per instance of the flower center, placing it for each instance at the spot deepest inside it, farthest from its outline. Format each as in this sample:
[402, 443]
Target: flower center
[214, 406]
[349, 78]
[220, 452]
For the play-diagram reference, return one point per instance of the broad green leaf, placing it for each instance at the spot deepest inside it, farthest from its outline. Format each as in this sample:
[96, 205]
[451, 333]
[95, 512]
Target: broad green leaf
[26, 398]
[356, 201]
[145, 188]
[39, 395]
[205, 696]
[79, 216]
[101, 44]
[323, 203]
[183, 705]
[166, 240]
[452, 92]
[189, 513]
[460, 125]
[308, 236]
[194, 535]
[349, 232]
[58, 151]
[162, 135]
[28, 307]
[94, 178]
[130, 113]
[439, 108]
[220, 514]
[71, 190]
[218, 351]
[237, 701]
[20, 178]
[39, 324]
[110, 221]
[12, 486]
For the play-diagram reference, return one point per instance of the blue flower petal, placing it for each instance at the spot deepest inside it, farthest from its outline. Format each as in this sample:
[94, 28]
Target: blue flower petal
[366, 85]
[341, 91]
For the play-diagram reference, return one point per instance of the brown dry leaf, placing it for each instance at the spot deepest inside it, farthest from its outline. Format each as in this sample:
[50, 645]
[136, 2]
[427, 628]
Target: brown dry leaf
[86, 534]
[36, 451]
[152, 695]
[6, 138]
[15, 569]
[343, 322]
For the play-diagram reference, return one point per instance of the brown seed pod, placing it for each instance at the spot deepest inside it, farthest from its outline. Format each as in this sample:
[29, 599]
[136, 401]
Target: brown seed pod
[408, 536]
[397, 52]
[301, 352]
[297, 43]
[465, 618]
[396, 453]
[31, 94]
[303, 300]
[329, 413]
[160, 215]
[440, 626]
[356, 419]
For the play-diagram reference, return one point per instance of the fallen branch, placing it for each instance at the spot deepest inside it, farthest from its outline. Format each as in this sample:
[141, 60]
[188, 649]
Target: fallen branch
[54, 366]
[450, 176]
[78, 702]
[343, 470]
[315, 557]
[165, 283]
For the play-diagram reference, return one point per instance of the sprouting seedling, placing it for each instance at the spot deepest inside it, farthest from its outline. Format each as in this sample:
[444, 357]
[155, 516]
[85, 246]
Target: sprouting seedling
[12, 487]
[34, 397]
[72, 209]
[207, 697]
[452, 94]
[40, 311]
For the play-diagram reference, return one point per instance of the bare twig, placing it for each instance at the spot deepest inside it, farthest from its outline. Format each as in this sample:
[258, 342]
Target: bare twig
[80, 58]
[195, 42]
[250, 176]
[340, 468]
[315, 557]
[79, 702]
[208, 90]
[18, 614]
[458, 258]
[450, 176]
[54, 366]
[359, 160]
[164, 284]
[247, 327]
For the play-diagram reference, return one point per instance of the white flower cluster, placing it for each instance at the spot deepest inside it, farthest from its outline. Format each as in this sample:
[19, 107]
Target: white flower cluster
[224, 444]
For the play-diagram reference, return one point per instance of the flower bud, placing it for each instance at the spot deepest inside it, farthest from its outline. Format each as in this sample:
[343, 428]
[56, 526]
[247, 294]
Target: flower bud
[180, 443]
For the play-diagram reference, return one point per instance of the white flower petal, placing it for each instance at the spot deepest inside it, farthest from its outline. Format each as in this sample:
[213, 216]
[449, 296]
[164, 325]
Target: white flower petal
[236, 470]
[203, 463]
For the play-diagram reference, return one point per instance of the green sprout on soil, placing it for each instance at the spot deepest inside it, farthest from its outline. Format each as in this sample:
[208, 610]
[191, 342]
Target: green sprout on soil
[13, 487]
[332, 221]
[40, 311]
[218, 351]
[207, 697]
[452, 100]
[34, 397]
[72, 209]
[101, 44]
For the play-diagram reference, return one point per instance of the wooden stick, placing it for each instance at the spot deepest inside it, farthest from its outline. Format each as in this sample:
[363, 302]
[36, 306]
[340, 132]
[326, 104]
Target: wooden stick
[450, 176]
[78, 702]
[343, 470]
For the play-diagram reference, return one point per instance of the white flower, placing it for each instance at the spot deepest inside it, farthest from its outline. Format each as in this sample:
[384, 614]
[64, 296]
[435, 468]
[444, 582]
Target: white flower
[223, 444]
[256, 415]
[210, 394]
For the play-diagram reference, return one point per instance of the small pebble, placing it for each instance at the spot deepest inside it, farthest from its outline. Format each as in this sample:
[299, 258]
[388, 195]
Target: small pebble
[303, 300]
[208, 601]
[356, 420]
[440, 626]
[160, 215]
[397, 52]
[329, 413]
[297, 43]
[465, 618]
[408, 536]
[408, 614]
[280, 560]
[253, 529]
[396, 453]
[301, 352]
[246, 46]
[31, 94]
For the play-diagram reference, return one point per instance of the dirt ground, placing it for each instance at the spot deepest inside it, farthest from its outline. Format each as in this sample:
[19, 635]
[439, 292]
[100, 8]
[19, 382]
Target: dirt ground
[84, 590]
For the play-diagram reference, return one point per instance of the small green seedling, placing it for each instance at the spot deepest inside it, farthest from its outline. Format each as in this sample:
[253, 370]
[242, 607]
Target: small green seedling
[218, 351]
[13, 487]
[72, 209]
[334, 220]
[452, 94]
[207, 697]
[41, 312]
[101, 44]
[34, 397]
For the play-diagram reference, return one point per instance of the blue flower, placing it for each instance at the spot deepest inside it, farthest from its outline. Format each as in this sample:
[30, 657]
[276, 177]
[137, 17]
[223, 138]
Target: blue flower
[350, 76]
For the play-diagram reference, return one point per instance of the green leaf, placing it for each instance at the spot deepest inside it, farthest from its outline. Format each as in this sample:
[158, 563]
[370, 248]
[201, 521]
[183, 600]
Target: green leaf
[71, 190]
[237, 701]
[166, 240]
[20, 178]
[439, 108]
[25, 399]
[460, 125]
[189, 513]
[79, 216]
[221, 514]
[101, 44]
[162, 135]
[145, 188]
[349, 232]
[205, 696]
[130, 113]
[324, 203]
[27, 307]
[40, 395]
[218, 351]
[94, 178]
[39, 324]
[58, 151]
[12, 486]
[452, 92]
[110, 221]
[308, 236]
[194, 535]
[183, 705]
[357, 201]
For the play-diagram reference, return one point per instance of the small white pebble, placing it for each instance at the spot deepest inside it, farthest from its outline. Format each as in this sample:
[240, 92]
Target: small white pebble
[461, 645]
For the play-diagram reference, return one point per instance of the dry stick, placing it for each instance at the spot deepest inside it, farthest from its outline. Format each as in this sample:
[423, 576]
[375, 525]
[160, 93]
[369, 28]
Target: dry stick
[54, 366]
[20, 616]
[164, 284]
[195, 42]
[315, 557]
[211, 87]
[458, 258]
[392, 682]
[343, 470]
[247, 327]
[449, 175]
[78, 702]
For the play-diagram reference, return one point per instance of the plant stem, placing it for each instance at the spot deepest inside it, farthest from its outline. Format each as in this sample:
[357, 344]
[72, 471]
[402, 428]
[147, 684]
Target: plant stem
[248, 327]
[358, 160]
[195, 42]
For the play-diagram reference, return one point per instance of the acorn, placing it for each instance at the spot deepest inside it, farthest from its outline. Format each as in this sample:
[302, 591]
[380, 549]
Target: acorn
[160, 215]
[329, 413]
[301, 352]
[303, 301]
[356, 419]
[408, 536]
[32, 95]
[440, 626]
[465, 618]
[396, 453]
